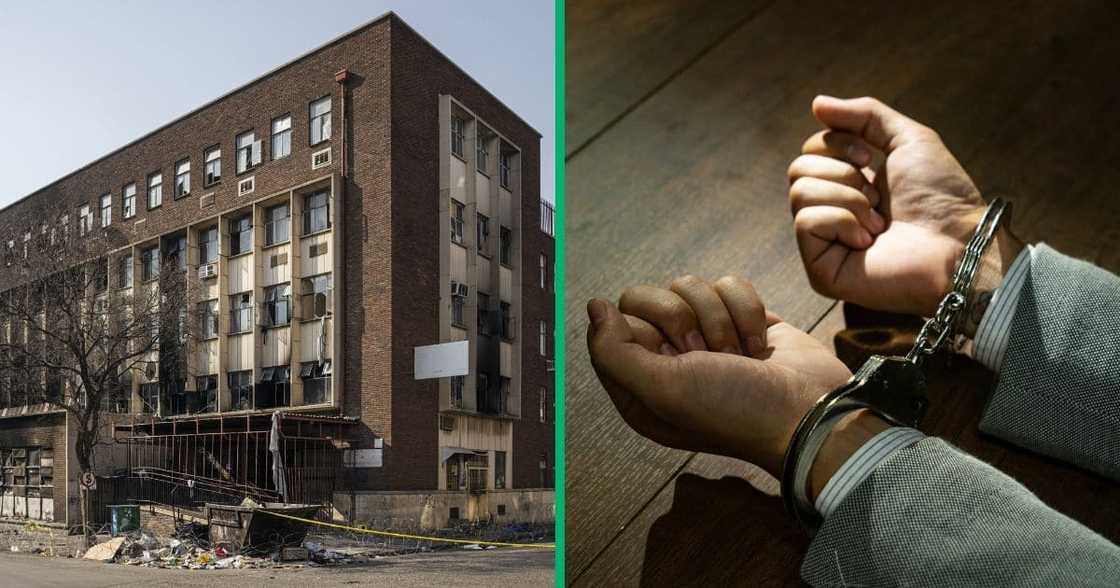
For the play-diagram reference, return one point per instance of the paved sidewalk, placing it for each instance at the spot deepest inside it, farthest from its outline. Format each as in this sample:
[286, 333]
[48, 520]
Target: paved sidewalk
[505, 567]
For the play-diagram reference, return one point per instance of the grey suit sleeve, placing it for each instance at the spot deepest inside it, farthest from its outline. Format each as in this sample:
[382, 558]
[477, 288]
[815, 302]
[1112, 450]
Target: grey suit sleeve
[1059, 386]
[931, 515]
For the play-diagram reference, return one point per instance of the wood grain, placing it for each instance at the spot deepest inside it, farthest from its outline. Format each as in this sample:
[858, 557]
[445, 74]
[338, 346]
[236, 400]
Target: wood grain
[692, 181]
[619, 51]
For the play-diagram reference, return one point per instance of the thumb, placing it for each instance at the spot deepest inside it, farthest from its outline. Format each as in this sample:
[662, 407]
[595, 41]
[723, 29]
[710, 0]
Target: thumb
[617, 356]
[880, 125]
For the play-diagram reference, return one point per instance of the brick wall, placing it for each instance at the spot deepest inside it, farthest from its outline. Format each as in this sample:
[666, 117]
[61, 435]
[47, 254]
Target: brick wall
[420, 75]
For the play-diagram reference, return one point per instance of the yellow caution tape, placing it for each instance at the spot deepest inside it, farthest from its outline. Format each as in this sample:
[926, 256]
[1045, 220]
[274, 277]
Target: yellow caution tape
[407, 536]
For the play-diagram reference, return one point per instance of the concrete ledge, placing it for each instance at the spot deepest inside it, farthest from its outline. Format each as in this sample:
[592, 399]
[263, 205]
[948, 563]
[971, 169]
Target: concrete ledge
[428, 511]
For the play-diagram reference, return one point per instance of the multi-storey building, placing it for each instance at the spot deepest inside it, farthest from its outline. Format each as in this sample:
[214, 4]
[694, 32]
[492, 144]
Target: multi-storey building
[329, 217]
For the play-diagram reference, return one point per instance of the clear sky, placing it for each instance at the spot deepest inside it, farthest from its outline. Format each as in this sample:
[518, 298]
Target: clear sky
[79, 79]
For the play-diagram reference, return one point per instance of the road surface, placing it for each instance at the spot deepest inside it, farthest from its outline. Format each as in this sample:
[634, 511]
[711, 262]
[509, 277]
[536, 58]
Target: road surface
[505, 567]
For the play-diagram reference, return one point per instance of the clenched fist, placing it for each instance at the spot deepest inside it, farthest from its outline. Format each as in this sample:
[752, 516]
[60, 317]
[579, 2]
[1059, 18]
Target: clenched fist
[887, 238]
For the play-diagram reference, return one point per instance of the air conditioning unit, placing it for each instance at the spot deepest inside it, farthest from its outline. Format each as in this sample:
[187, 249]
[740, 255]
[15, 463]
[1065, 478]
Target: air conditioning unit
[321, 158]
[208, 270]
[458, 289]
[246, 186]
[446, 422]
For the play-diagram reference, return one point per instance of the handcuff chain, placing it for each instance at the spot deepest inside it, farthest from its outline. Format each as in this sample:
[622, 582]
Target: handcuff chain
[941, 326]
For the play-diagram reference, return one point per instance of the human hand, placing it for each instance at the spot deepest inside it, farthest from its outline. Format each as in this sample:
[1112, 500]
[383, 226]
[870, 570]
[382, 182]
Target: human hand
[887, 238]
[652, 357]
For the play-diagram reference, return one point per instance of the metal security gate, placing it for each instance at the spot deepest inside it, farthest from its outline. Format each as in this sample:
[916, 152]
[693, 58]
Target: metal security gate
[224, 459]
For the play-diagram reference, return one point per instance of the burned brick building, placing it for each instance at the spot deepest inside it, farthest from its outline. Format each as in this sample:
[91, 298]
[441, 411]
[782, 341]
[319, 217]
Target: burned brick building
[329, 218]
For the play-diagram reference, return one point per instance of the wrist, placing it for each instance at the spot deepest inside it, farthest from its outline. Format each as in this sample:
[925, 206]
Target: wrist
[850, 433]
[993, 267]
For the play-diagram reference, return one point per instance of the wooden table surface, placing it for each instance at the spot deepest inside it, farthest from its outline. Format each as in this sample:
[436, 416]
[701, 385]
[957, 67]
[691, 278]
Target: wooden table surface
[682, 118]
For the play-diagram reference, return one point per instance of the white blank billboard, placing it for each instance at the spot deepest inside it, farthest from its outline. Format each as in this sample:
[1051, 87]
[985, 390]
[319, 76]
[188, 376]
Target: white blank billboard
[442, 360]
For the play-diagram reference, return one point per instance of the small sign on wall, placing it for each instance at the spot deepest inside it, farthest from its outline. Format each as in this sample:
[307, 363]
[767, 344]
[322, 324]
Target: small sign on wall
[442, 360]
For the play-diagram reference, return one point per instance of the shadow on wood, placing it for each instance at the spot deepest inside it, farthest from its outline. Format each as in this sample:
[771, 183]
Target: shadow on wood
[721, 532]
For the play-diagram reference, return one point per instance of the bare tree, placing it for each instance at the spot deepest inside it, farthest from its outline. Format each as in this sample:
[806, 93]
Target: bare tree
[76, 329]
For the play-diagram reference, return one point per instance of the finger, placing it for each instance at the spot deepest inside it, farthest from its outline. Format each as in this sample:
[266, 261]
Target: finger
[834, 170]
[649, 337]
[666, 311]
[618, 358]
[603, 343]
[878, 124]
[828, 224]
[825, 237]
[811, 191]
[746, 310]
[826, 168]
[715, 322]
[840, 145]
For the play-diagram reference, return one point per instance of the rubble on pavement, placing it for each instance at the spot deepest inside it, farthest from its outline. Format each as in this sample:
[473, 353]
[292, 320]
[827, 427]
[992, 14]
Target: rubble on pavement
[189, 549]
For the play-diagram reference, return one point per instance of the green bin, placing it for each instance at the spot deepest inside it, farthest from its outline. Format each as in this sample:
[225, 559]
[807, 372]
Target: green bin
[124, 518]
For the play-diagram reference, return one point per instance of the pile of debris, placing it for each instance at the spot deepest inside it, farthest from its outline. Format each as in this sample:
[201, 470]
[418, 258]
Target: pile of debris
[189, 548]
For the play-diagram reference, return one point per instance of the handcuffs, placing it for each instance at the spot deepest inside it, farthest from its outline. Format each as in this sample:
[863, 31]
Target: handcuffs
[893, 388]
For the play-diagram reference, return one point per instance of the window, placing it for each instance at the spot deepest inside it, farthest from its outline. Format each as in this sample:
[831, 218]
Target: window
[149, 264]
[277, 224]
[101, 275]
[278, 305]
[316, 381]
[124, 271]
[85, 221]
[457, 303]
[241, 313]
[315, 300]
[241, 235]
[207, 390]
[482, 159]
[248, 151]
[543, 398]
[119, 394]
[544, 339]
[241, 390]
[212, 172]
[128, 201]
[208, 319]
[176, 251]
[106, 210]
[507, 321]
[483, 313]
[499, 469]
[483, 235]
[155, 190]
[274, 388]
[316, 212]
[281, 137]
[503, 169]
[544, 271]
[178, 400]
[458, 128]
[457, 221]
[457, 383]
[150, 398]
[27, 238]
[482, 386]
[320, 120]
[208, 245]
[182, 178]
[506, 245]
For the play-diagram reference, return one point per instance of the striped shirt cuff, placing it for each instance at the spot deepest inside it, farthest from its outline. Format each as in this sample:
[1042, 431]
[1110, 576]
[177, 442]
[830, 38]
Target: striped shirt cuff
[862, 463]
[994, 329]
